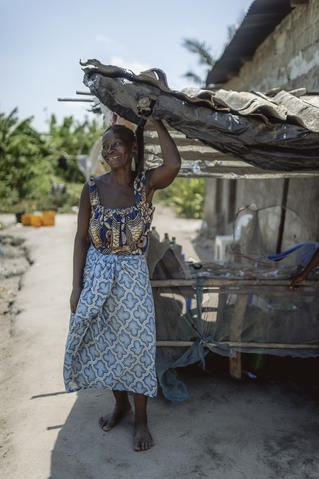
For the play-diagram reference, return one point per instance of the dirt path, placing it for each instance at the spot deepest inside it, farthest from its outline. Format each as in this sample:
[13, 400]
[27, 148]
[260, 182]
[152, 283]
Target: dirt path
[226, 429]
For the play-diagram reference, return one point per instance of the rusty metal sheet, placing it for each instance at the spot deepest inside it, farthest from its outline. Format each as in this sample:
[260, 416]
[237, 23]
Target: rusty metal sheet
[278, 131]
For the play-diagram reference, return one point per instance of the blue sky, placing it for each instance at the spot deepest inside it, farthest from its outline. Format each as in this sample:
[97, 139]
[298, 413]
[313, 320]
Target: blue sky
[42, 41]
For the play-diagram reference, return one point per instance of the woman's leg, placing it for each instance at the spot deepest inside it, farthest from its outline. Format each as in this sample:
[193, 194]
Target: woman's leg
[122, 408]
[142, 436]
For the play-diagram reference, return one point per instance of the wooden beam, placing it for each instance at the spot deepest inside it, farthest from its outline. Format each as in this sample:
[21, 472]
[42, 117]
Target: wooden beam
[212, 163]
[88, 100]
[217, 282]
[239, 344]
[298, 3]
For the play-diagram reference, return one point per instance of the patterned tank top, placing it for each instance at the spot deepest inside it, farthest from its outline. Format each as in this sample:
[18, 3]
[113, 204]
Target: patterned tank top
[121, 231]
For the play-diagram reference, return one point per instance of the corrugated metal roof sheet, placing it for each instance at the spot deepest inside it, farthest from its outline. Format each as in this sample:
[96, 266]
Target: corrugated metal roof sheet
[278, 131]
[261, 19]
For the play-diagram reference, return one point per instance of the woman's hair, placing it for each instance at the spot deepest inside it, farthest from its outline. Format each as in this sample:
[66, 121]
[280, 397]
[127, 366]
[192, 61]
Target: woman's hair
[128, 136]
[125, 133]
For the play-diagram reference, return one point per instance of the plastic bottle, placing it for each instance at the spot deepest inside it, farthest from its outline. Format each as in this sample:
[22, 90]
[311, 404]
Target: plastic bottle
[166, 239]
[155, 233]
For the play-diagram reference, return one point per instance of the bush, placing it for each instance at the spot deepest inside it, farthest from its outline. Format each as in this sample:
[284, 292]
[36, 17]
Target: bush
[30, 163]
[186, 195]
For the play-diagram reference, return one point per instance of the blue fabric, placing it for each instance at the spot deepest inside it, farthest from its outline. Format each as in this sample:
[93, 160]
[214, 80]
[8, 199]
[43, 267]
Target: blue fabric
[111, 341]
[304, 252]
[168, 359]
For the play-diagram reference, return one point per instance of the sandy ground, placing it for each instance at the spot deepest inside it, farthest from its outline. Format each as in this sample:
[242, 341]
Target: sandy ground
[226, 429]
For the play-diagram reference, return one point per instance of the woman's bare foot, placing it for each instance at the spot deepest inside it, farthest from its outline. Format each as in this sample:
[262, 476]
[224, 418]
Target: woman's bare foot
[107, 423]
[142, 440]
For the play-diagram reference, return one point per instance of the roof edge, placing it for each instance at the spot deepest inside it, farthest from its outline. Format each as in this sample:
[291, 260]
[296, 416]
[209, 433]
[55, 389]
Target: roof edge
[260, 20]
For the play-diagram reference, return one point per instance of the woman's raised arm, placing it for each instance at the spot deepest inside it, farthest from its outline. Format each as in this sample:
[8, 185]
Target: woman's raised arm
[161, 177]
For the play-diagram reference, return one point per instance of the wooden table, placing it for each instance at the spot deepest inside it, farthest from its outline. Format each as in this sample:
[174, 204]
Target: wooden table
[242, 288]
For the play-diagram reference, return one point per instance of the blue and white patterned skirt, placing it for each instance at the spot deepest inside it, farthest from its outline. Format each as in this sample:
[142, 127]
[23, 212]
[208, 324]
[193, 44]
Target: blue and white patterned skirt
[111, 341]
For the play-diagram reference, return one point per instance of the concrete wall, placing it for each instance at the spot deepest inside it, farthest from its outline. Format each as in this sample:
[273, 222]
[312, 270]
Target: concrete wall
[288, 58]
[220, 205]
[266, 196]
[302, 219]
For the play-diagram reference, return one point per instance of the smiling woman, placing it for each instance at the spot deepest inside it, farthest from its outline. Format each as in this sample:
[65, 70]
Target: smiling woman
[115, 140]
[111, 340]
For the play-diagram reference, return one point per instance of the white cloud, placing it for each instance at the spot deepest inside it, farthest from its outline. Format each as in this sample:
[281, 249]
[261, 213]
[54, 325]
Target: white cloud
[135, 66]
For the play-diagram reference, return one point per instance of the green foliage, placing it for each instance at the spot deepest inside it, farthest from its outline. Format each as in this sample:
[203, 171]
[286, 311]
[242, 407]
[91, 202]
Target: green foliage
[66, 141]
[29, 168]
[70, 200]
[22, 159]
[30, 165]
[186, 195]
[202, 51]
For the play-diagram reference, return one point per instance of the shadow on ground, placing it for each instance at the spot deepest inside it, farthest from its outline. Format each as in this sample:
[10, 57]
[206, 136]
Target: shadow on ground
[227, 429]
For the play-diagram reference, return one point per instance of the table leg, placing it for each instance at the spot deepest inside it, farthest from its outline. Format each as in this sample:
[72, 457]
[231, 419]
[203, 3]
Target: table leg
[236, 327]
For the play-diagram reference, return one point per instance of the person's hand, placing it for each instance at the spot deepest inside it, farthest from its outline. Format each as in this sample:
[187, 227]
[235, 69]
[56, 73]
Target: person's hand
[74, 298]
[145, 107]
[296, 281]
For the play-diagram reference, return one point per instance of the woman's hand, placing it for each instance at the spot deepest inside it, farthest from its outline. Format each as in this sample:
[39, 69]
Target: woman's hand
[296, 281]
[299, 278]
[74, 298]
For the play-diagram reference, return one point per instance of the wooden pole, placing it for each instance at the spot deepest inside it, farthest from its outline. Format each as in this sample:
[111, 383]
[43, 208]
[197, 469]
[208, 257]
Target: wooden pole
[239, 344]
[236, 327]
[215, 282]
[284, 201]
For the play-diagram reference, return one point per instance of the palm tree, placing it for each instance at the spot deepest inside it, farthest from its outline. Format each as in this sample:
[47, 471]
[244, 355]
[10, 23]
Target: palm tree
[202, 50]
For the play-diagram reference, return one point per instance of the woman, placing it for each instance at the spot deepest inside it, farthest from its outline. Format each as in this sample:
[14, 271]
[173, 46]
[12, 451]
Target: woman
[111, 341]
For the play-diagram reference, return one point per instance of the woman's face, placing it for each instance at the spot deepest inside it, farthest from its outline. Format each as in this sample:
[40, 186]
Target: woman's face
[116, 152]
